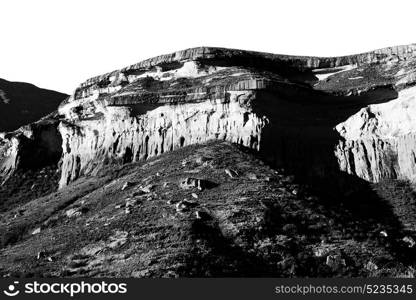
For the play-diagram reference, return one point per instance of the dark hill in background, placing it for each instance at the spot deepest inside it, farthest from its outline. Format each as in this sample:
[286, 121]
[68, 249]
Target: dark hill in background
[22, 103]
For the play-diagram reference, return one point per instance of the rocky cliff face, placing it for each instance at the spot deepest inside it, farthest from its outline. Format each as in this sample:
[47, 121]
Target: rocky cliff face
[379, 141]
[120, 136]
[30, 147]
[312, 115]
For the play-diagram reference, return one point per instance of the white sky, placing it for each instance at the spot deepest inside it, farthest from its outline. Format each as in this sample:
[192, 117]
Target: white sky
[57, 44]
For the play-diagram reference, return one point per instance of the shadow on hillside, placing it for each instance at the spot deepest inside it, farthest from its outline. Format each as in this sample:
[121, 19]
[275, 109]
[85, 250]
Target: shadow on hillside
[217, 256]
[301, 139]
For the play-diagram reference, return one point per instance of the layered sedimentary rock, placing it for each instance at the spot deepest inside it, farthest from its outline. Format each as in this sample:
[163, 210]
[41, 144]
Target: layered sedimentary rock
[119, 135]
[315, 116]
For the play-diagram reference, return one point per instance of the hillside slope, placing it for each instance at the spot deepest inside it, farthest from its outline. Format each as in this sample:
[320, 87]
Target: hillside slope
[211, 210]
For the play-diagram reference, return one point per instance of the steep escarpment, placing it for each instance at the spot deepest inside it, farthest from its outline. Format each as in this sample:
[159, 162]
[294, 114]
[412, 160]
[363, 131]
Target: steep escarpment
[299, 113]
[379, 141]
[23, 103]
[153, 115]
[272, 103]
[30, 147]
[120, 136]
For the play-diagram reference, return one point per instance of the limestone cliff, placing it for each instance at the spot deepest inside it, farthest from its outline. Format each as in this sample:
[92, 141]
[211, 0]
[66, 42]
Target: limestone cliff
[313, 115]
[380, 140]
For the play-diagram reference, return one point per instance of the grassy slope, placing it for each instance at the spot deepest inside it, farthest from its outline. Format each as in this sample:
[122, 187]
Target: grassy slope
[259, 223]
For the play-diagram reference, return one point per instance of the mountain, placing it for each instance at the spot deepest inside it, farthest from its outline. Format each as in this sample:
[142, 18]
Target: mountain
[327, 140]
[279, 105]
[23, 103]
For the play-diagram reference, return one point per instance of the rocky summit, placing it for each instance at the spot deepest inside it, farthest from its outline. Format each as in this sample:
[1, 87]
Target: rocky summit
[219, 162]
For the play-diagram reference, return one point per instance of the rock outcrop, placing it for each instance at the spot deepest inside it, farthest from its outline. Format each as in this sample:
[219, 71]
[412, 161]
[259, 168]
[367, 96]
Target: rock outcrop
[380, 140]
[315, 116]
[30, 147]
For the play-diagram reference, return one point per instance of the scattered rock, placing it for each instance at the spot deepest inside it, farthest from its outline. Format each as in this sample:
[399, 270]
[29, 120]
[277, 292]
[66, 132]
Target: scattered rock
[370, 266]
[335, 262]
[147, 189]
[194, 171]
[267, 242]
[189, 183]
[194, 195]
[148, 179]
[130, 202]
[287, 264]
[323, 249]
[198, 215]
[383, 233]
[40, 255]
[183, 205]
[231, 173]
[127, 185]
[282, 240]
[410, 242]
[93, 249]
[129, 205]
[36, 231]
[73, 212]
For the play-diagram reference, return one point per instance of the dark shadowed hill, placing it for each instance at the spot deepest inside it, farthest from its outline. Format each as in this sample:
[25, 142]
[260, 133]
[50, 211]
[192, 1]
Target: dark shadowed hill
[22, 103]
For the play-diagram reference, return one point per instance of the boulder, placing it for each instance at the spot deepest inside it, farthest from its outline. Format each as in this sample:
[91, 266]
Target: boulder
[73, 212]
[147, 189]
[409, 241]
[370, 266]
[189, 183]
[335, 262]
[36, 231]
[126, 185]
[231, 173]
